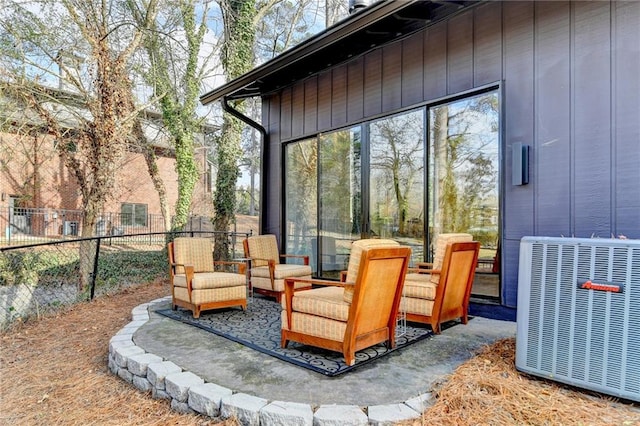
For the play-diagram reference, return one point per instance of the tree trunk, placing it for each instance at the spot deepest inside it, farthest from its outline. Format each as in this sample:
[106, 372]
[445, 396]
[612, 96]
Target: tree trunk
[225, 194]
[152, 167]
[440, 129]
[237, 59]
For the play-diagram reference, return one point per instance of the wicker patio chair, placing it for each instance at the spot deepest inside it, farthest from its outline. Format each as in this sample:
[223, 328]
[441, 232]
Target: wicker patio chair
[195, 285]
[349, 316]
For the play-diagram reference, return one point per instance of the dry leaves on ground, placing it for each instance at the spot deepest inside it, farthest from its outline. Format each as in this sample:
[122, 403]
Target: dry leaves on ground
[54, 371]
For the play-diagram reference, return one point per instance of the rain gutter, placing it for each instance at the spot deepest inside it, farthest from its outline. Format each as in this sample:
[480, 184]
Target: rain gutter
[264, 146]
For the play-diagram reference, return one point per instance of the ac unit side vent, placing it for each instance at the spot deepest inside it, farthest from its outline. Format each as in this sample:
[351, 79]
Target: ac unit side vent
[579, 313]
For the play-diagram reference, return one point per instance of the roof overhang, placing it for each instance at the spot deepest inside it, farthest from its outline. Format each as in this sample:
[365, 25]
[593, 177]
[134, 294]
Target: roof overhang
[373, 26]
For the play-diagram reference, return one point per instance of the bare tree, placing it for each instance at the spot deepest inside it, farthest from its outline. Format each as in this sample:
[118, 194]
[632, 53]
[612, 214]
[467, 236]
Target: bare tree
[240, 19]
[335, 10]
[397, 156]
[88, 52]
[177, 65]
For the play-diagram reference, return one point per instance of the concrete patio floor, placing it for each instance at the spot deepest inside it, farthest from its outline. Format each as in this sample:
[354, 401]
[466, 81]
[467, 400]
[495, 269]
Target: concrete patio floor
[395, 378]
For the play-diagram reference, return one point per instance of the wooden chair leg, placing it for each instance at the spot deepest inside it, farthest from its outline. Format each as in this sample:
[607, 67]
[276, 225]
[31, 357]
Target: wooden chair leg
[435, 327]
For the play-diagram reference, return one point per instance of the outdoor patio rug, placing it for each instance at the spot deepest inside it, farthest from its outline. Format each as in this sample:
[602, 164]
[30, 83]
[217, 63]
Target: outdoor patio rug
[259, 328]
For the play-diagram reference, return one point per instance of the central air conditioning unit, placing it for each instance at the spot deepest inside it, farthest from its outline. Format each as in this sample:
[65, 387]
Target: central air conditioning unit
[578, 319]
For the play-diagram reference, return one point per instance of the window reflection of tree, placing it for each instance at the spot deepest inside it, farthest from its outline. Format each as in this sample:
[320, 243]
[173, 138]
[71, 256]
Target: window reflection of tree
[301, 191]
[340, 182]
[464, 167]
[397, 164]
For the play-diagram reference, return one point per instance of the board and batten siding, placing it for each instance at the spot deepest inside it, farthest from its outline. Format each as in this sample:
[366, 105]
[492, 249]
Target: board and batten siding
[569, 74]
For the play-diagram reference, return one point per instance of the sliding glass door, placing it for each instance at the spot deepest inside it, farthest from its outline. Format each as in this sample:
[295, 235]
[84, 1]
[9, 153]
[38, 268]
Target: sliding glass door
[396, 180]
[301, 210]
[323, 211]
[463, 190]
[339, 199]
[383, 180]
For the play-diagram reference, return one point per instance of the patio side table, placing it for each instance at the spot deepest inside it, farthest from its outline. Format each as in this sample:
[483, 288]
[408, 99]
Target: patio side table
[247, 262]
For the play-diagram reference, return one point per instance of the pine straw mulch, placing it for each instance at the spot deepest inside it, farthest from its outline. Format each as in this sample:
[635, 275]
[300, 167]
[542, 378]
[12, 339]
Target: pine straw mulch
[488, 390]
[54, 371]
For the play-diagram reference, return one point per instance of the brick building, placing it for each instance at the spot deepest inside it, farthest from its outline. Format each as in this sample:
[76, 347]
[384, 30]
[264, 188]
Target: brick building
[39, 196]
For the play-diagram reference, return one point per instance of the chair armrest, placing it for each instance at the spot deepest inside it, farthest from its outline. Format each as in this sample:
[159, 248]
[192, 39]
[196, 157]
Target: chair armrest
[304, 257]
[261, 259]
[242, 266]
[293, 280]
[189, 273]
[289, 289]
[185, 266]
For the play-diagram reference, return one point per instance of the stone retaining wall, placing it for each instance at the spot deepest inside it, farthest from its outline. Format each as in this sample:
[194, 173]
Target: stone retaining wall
[189, 393]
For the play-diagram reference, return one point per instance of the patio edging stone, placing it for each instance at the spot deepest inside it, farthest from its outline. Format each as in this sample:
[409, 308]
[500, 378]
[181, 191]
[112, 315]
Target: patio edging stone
[190, 393]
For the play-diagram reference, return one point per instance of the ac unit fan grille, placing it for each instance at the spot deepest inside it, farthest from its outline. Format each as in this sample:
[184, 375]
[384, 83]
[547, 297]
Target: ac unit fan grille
[584, 337]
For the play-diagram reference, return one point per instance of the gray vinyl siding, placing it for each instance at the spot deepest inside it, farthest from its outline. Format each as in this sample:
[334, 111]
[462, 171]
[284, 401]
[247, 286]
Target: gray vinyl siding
[569, 76]
[487, 44]
[412, 66]
[435, 64]
[553, 116]
[626, 116]
[339, 97]
[297, 111]
[518, 122]
[460, 53]
[324, 100]
[311, 105]
[392, 77]
[271, 195]
[591, 133]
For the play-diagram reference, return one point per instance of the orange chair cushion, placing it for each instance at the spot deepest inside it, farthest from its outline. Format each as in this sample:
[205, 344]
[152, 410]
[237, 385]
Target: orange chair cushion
[278, 285]
[211, 295]
[419, 286]
[314, 325]
[324, 301]
[282, 271]
[413, 305]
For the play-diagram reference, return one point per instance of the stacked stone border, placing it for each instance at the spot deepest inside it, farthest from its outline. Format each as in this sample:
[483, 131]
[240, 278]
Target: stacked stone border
[189, 393]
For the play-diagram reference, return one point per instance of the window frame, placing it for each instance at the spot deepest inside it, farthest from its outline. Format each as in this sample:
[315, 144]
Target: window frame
[132, 219]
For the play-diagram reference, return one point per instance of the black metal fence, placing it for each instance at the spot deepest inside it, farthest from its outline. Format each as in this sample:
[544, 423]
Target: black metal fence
[36, 279]
[19, 226]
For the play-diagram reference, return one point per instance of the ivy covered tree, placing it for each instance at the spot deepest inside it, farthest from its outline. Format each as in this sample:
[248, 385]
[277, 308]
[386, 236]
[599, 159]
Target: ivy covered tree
[237, 59]
[267, 28]
[176, 67]
[77, 71]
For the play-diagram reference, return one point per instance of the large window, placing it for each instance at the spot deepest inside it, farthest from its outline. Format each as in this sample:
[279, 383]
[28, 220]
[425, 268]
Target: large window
[340, 209]
[133, 214]
[396, 195]
[323, 199]
[301, 163]
[384, 180]
[464, 177]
